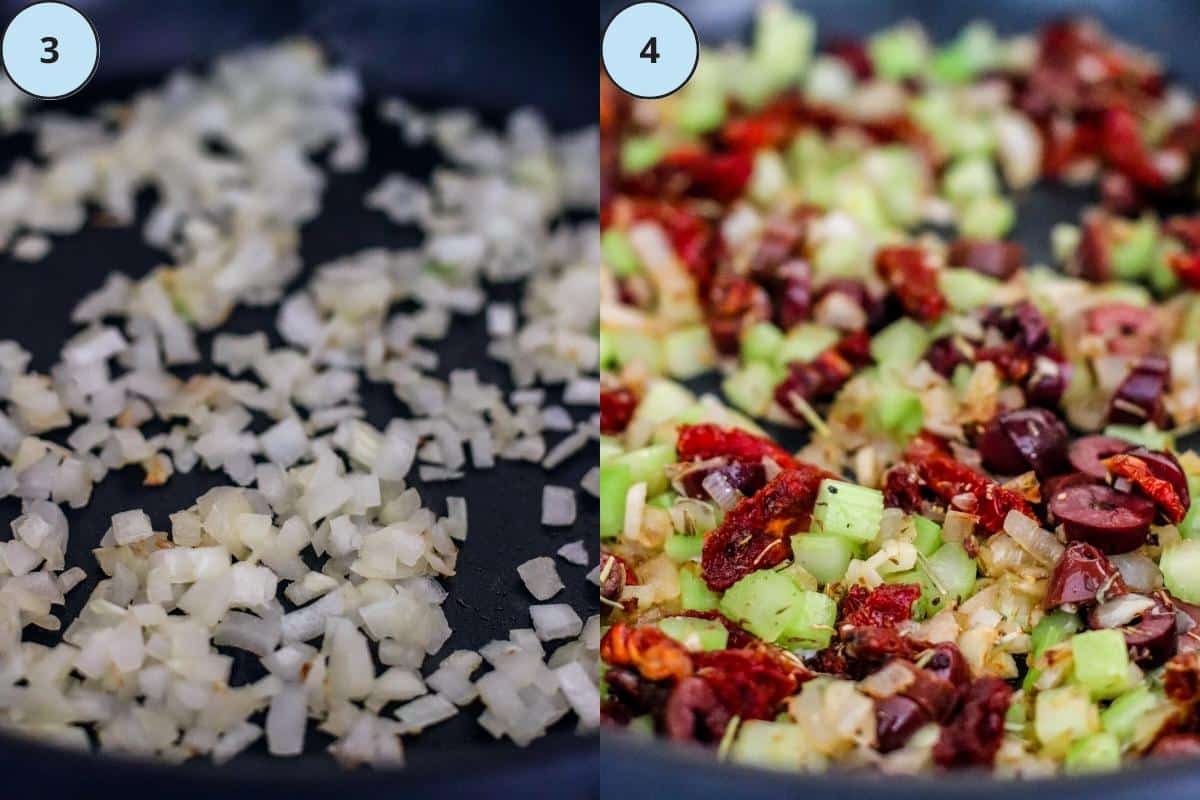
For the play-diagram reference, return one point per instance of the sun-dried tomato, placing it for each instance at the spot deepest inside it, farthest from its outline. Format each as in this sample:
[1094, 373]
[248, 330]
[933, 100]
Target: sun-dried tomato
[853, 53]
[719, 176]
[735, 304]
[754, 534]
[1176, 745]
[818, 379]
[886, 606]
[913, 279]
[647, 649]
[974, 735]
[902, 488]
[616, 409]
[1162, 492]
[1181, 680]
[1185, 229]
[1122, 146]
[751, 682]
[700, 442]
[860, 651]
[769, 127]
[1187, 268]
[948, 478]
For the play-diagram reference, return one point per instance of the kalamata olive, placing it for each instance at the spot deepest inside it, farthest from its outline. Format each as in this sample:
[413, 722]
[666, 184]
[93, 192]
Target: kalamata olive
[745, 476]
[947, 662]
[693, 712]
[1150, 635]
[1052, 486]
[1165, 466]
[1128, 330]
[945, 353]
[1020, 324]
[793, 297]
[1093, 256]
[1046, 385]
[1176, 745]
[896, 719]
[1081, 572]
[1088, 453]
[1024, 439]
[993, 257]
[932, 692]
[1187, 627]
[1115, 522]
[1139, 398]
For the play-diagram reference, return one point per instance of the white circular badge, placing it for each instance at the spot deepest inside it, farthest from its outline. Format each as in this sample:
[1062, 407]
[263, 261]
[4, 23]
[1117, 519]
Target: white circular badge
[50, 50]
[650, 49]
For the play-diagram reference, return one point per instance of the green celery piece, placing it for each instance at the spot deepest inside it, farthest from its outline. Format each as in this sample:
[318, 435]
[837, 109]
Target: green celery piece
[1131, 293]
[840, 257]
[696, 633]
[951, 65]
[609, 448]
[1062, 716]
[664, 400]
[931, 600]
[1189, 526]
[897, 176]
[900, 345]
[810, 623]
[858, 198]
[1064, 239]
[1132, 257]
[1147, 435]
[953, 570]
[975, 50]
[899, 411]
[1101, 662]
[615, 480]
[681, 547]
[969, 178]
[629, 346]
[899, 52]
[768, 179]
[751, 387]
[1122, 715]
[648, 465]
[1161, 276]
[1051, 629]
[763, 602]
[688, 352]
[619, 253]
[848, 510]
[987, 217]
[694, 594]
[966, 289]
[663, 500]
[640, 153]
[761, 341]
[783, 44]
[1189, 329]
[1180, 565]
[824, 555]
[929, 535]
[1100, 752]
[608, 351]
[752, 88]
[805, 342]
[770, 745]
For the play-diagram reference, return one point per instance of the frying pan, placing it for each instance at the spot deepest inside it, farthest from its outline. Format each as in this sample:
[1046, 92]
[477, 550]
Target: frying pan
[1166, 27]
[490, 56]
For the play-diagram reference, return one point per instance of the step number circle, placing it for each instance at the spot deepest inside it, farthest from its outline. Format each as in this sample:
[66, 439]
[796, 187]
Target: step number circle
[50, 50]
[644, 68]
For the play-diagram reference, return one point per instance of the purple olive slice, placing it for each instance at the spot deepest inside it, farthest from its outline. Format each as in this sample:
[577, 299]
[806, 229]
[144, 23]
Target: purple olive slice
[1115, 522]
[1088, 453]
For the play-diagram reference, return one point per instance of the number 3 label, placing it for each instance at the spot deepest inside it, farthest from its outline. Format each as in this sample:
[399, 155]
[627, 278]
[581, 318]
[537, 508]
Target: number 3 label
[650, 49]
[50, 50]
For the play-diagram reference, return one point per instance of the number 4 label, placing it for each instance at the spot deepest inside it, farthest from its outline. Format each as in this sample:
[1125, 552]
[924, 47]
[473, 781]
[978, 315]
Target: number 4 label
[650, 49]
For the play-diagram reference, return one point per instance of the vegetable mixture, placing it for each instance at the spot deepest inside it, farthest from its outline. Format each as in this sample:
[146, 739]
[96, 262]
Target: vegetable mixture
[986, 554]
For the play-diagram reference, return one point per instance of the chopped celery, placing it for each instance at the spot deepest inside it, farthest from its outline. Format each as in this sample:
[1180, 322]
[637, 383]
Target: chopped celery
[609, 448]
[810, 622]
[1122, 715]
[615, 481]
[663, 400]
[648, 465]
[931, 600]
[608, 351]
[751, 387]
[969, 178]
[929, 535]
[629, 346]
[1161, 275]
[858, 199]
[1051, 629]
[663, 500]
[1189, 526]
[805, 342]
[753, 86]
[898, 52]
[840, 257]
[899, 345]
[619, 253]
[1132, 257]
[975, 50]
[1100, 752]
[966, 289]
[829, 81]
[848, 510]
[640, 153]
[899, 411]
[770, 745]
[772, 606]
[1101, 662]
[1131, 293]
[1147, 435]
[898, 177]
[824, 555]
[688, 352]
[761, 341]
[987, 217]
[696, 633]
[694, 594]
[783, 44]
[1063, 715]
[1189, 328]
[1180, 565]
[769, 177]
[701, 112]
[680, 547]
[953, 570]
[1064, 238]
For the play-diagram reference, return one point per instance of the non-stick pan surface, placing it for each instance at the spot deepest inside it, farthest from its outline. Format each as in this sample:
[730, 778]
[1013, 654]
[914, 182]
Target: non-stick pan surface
[490, 56]
[1169, 28]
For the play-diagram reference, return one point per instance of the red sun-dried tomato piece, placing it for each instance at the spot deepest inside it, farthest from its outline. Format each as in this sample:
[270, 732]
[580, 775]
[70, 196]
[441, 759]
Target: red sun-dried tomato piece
[862, 650]
[616, 410]
[1182, 678]
[913, 279]
[974, 735]
[647, 649]
[902, 488]
[735, 304]
[853, 53]
[751, 682]
[700, 442]
[813, 380]
[690, 234]
[769, 127]
[754, 535]
[949, 479]
[1176, 745]
[1187, 268]
[720, 176]
[1121, 144]
[885, 606]
[1171, 502]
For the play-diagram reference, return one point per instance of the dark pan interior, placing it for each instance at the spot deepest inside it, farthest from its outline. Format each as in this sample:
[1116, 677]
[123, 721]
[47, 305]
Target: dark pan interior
[1168, 28]
[490, 56]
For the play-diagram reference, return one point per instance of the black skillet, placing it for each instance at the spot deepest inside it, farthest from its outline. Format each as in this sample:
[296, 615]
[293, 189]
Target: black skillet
[644, 769]
[487, 55]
